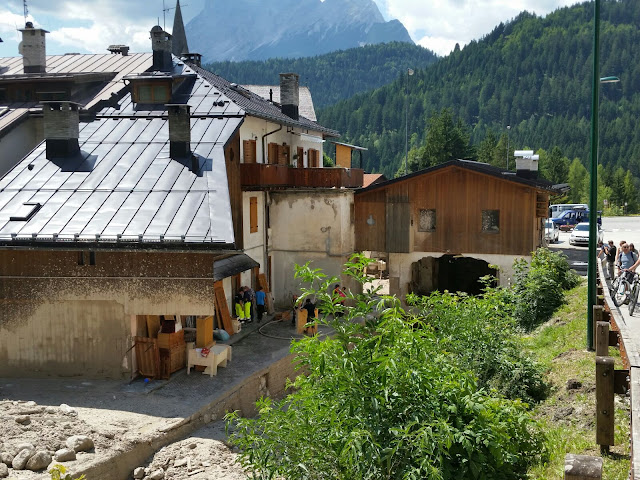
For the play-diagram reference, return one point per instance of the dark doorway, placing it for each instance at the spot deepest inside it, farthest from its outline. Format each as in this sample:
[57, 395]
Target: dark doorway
[454, 273]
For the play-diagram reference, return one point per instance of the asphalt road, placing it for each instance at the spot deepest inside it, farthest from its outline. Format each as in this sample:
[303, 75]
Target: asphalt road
[615, 228]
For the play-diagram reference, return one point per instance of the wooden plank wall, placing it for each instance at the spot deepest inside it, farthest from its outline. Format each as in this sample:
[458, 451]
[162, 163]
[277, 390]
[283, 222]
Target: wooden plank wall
[458, 197]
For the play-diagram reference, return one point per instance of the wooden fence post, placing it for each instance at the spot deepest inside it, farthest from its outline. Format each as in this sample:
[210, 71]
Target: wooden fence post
[602, 339]
[604, 402]
[598, 311]
[582, 467]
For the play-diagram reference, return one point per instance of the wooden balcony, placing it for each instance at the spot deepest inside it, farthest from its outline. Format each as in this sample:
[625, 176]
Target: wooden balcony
[258, 176]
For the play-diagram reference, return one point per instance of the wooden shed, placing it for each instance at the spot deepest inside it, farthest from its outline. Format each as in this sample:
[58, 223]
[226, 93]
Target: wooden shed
[458, 208]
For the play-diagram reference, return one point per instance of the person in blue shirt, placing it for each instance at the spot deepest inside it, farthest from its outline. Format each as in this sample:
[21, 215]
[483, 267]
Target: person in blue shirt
[260, 299]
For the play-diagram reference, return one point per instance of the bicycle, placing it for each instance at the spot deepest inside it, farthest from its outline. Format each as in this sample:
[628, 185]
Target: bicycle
[621, 288]
[635, 290]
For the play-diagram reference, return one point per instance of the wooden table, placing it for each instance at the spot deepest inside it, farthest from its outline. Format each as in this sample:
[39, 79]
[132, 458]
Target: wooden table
[218, 355]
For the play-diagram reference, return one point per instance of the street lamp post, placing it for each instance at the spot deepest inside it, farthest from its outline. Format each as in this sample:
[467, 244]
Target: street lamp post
[593, 190]
[406, 122]
[508, 129]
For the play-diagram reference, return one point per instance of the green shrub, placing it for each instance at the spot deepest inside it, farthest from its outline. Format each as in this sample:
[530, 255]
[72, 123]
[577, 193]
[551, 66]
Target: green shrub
[483, 335]
[539, 287]
[384, 398]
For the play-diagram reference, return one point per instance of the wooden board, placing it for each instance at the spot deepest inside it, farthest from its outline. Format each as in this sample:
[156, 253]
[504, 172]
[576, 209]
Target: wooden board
[147, 356]
[204, 331]
[153, 325]
[222, 308]
[262, 281]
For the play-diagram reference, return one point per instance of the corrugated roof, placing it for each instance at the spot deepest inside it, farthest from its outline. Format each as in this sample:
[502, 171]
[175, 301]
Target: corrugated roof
[123, 187]
[306, 102]
[257, 106]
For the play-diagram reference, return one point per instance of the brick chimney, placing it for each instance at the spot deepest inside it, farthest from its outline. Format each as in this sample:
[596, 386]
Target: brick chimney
[290, 94]
[161, 45]
[180, 133]
[61, 128]
[33, 49]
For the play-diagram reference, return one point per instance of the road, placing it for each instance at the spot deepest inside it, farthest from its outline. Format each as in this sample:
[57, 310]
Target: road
[615, 228]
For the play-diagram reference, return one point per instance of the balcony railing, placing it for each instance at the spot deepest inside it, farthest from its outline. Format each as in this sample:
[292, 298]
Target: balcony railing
[258, 176]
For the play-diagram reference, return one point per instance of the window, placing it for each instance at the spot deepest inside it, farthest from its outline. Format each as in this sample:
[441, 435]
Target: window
[490, 221]
[314, 156]
[253, 214]
[249, 151]
[144, 94]
[284, 152]
[148, 93]
[273, 153]
[427, 221]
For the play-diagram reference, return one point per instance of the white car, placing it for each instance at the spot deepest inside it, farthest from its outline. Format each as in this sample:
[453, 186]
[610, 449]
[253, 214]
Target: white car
[580, 234]
[551, 231]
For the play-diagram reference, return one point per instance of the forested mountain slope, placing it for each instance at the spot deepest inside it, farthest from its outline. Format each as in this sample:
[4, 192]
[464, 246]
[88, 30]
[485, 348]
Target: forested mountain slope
[532, 73]
[333, 76]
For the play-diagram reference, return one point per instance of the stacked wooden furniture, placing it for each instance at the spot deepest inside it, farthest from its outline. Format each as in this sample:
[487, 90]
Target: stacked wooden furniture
[172, 352]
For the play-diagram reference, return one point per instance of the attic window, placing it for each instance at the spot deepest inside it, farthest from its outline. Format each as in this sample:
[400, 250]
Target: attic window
[25, 212]
[491, 221]
[150, 93]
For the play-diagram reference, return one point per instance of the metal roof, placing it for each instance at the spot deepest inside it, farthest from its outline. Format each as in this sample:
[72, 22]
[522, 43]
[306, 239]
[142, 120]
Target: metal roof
[232, 265]
[123, 187]
[273, 91]
[257, 106]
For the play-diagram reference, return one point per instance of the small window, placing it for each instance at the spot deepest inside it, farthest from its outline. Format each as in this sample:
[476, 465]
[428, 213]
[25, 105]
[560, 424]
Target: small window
[253, 214]
[491, 221]
[24, 212]
[160, 94]
[81, 258]
[92, 258]
[427, 222]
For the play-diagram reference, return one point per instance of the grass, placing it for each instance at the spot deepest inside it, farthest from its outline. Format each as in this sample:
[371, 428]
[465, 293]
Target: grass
[568, 416]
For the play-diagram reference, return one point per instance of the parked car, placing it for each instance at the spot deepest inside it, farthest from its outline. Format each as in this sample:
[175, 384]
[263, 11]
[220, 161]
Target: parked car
[570, 218]
[551, 231]
[580, 234]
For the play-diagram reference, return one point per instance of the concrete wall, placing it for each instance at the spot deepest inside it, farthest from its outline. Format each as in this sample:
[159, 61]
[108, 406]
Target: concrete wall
[18, 142]
[254, 128]
[309, 226]
[60, 318]
[399, 266]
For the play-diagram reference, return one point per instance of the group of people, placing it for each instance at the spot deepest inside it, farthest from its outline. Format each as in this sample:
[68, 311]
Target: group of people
[247, 302]
[625, 257]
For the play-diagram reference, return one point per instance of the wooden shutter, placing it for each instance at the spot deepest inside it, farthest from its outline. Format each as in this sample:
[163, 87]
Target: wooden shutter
[300, 159]
[249, 151]
[313, 158]
[273, 153]
[253, 214]
[283, 154]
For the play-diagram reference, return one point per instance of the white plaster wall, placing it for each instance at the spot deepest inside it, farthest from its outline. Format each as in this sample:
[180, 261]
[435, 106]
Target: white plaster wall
[399, 266]
[307, 226]
[18, 142]
[254, 128]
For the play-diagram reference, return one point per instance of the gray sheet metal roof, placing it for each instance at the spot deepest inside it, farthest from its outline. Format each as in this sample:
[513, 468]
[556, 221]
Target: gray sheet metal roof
[257, 106]
[97, 63]
[306, 102]
[123, 187]
[232, 265]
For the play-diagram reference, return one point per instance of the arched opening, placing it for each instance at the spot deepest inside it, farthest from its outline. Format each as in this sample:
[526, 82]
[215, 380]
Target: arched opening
[454, 273]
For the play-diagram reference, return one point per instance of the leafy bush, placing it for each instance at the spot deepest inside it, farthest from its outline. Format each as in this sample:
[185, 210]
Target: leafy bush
[539, 287]
[483, 335]
[384, 398]
[58, 471]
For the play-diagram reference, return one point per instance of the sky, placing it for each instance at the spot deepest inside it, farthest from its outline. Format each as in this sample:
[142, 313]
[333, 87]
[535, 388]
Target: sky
[89, 26]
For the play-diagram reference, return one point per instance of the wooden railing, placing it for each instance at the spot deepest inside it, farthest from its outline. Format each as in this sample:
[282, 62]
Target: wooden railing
[258, 176]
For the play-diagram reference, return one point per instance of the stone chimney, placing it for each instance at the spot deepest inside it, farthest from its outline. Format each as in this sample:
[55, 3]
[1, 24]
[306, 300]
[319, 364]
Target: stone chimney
[290, 94]
[61, 128]
[33, 49]
[161, 45]
[526, 164]
[180, 133]
[194, 58]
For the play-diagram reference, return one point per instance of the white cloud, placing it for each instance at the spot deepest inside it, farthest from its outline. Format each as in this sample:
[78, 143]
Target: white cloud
[443, 23]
